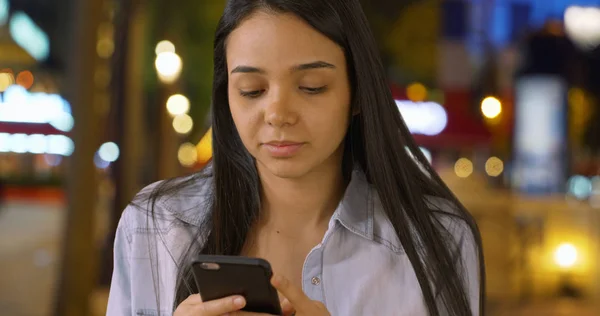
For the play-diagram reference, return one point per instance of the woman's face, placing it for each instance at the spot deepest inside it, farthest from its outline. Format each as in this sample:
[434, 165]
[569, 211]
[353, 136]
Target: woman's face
[289, 94]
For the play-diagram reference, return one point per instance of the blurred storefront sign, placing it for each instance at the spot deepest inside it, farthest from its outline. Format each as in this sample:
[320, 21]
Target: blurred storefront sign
[34, 122]
[17, 105]
[455, 128]
[540, 140]
[29, 36]
[423, 118]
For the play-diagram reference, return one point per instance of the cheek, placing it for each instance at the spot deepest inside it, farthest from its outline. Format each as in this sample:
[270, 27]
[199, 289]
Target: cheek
[245, 121]
[329, 125]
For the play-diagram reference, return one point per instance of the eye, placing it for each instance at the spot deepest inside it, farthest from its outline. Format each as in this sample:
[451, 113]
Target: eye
[311, 90]
[251, 94]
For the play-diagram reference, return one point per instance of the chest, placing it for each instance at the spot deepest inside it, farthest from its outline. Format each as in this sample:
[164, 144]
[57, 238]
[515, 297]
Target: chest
[349, 274]
[286, 254]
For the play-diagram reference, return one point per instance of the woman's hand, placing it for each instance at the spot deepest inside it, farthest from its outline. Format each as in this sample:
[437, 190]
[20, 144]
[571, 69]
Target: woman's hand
[193, 306]
[296, 302]
[230, 306]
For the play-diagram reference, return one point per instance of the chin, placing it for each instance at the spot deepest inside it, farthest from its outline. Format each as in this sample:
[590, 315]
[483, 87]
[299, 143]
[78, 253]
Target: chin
[287, 169]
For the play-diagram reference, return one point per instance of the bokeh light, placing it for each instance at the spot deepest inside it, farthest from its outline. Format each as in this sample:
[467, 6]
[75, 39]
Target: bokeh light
[183, 124]
[60, 145]
[187, 155]
[109, 152]
[582, 25]
[105, 47]
[204, 147]
[580, 187]
[168, 65]
[164, 47]
[6, 80]
[565, 255]
[426, 153]
[100, 163]
[25, 79]
[463, 167]
[37, 144]
[491, 107]
[416, 92]
[494, 166]
[178, 104]
[4, 11]
[53, 160]
[426, 118]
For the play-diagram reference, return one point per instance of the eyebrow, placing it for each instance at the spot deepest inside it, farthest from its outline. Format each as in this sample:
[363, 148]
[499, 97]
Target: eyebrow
[301, 67]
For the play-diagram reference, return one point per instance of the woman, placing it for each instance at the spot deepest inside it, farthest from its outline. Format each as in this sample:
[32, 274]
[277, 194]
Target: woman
[313, 170]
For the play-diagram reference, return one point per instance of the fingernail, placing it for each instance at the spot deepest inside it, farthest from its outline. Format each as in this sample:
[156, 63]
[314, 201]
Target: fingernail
[239, 301]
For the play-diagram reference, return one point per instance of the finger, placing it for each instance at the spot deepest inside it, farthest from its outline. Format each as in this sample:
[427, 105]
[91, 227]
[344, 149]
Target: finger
[286, 308]
[193, 299]
[242, 313]
[221, 306]
[294, 294]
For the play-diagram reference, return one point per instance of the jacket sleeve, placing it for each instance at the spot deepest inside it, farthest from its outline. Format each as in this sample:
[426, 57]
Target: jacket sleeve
[119, 300]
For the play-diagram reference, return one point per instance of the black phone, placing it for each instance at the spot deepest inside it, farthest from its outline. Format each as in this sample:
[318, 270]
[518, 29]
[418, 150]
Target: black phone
[222, 276]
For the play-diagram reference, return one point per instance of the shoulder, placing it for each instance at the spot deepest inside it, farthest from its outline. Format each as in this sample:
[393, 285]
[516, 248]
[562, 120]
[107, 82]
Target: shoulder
[459, 225]
[457, 228]
[165, 204]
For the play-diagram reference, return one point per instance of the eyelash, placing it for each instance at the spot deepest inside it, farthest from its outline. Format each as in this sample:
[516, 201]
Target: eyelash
[251, 94]
[257, 93]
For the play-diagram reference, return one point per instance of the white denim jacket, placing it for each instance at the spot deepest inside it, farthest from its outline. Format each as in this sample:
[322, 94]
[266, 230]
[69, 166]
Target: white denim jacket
[359, 268]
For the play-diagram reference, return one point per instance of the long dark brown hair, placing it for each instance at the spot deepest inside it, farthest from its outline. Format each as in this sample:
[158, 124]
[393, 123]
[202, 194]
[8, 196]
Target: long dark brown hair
[376, 142]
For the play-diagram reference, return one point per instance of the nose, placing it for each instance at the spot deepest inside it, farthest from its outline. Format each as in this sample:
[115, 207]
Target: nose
[279, 111]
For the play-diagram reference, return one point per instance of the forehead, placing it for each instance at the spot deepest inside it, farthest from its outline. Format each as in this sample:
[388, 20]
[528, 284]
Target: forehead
[279, 39]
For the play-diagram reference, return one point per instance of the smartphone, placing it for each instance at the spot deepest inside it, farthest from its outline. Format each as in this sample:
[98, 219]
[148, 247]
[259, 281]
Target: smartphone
[222, 276]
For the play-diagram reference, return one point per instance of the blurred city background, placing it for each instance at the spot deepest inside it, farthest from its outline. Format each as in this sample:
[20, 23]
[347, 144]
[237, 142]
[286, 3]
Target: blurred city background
[99, 98]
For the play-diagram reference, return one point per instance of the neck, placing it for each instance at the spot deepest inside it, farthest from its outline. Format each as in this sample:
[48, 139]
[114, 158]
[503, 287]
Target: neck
[301, 203]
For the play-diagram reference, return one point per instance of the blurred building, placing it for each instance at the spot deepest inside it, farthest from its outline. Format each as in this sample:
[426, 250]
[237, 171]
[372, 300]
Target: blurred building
[34, 118]
[507, 112]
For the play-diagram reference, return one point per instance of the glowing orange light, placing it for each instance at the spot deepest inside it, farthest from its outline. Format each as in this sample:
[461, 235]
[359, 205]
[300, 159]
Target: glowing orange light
[25, 79]
[204, 147]
[416, 92]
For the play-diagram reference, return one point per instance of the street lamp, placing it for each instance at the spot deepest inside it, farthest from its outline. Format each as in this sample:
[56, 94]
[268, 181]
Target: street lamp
[491, 107]
[582, 24]
[566, 256]
[178, 104]
[168, 65]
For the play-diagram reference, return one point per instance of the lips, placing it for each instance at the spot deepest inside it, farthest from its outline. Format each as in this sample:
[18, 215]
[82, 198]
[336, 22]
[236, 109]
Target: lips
[283, 149]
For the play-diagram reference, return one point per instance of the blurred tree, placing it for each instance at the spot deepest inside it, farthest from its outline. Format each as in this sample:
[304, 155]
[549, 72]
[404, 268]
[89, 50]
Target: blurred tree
[413, 40]
[407, 33]
[190, 25]
[79, 254]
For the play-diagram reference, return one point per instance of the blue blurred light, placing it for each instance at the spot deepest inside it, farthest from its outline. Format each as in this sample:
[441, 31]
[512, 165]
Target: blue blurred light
[19, 105]
[425, 118]
[3, 12]
[29, 36]
[100, 163]
[53, 160]
[109, 152]
[580, 187]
